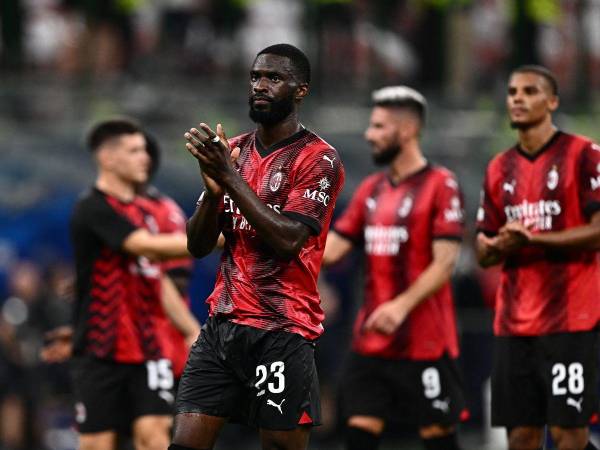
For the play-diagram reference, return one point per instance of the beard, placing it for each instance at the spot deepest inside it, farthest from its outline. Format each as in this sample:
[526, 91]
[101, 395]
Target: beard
[386, 156]
[278, 110]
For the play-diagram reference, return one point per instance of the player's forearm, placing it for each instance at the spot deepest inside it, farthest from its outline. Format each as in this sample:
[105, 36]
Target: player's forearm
[578, 238]
[156, 246]
[282, 234]
[336, 248]
[431, 280]
[176, 309]
[203, 228]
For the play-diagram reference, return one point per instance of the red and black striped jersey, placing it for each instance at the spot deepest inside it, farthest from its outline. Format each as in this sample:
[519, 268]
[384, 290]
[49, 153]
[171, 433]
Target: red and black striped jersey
[299, 177]
[541, 290]
[170, 218]
[118, 313]
[396, 224]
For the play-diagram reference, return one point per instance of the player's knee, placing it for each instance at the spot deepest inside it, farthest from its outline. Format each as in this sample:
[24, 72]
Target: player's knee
[525, 438]
[438, 437]
[570, 438]
[373, 425]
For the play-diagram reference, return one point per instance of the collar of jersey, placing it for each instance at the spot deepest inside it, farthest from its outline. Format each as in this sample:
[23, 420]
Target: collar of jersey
[425, 168]
[542, 149]
[266, 151]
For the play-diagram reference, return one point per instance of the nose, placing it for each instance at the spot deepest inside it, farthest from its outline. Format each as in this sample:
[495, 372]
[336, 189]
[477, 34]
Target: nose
[367, 134]
[260, 85]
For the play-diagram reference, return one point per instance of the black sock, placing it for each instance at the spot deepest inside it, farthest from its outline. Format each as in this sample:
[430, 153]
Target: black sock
[359, 439]
[590, 446]
[447, 442]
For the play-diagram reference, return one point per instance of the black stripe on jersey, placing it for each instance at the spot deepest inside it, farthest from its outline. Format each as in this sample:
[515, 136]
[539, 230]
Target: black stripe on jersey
[310, 222]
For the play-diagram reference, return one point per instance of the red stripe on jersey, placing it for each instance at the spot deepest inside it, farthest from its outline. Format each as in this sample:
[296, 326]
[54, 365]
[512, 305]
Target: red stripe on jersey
[545, 291]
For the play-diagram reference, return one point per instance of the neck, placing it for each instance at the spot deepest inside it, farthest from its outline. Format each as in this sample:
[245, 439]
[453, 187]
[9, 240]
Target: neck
[273, 134]
[409, 160]
[117, 187]
[533, 138]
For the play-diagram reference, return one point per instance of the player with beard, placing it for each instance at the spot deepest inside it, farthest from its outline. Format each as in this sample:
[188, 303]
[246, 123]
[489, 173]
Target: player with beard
[254, 360]
[408, 219]
[540, 219]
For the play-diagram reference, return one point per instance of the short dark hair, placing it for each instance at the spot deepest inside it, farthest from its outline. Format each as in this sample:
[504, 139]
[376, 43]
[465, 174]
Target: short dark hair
[110, 129]
[153, 149]
[541, 71]
[401, 97]
[296, 56]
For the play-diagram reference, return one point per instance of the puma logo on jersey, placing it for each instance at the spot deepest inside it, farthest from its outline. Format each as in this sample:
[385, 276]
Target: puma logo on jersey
[575, 403]
[329, 160]
[442, 405]
[510, 187]
[275, 405]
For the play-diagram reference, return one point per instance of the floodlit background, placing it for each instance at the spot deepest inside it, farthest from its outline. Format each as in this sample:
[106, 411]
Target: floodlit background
[65, 64]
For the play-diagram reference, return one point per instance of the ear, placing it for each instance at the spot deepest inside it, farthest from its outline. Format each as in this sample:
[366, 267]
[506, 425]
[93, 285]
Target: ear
[104, 157]
[301, 91]
[409, 127]
[553, 103]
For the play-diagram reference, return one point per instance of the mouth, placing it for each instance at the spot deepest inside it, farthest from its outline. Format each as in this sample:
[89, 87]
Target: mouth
[261, 100]
[518, 110]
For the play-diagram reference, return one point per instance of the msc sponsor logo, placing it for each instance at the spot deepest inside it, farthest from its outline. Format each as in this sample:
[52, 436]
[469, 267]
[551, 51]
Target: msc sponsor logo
[535, 214]
[455, 212]
[384, 240]
[317, 196]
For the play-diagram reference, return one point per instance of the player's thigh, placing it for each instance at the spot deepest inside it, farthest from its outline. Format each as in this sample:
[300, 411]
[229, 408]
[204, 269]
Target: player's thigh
[436, 389]
[150, 389]
[208, 386]
[518, 397]
[296, 439]
[152, 432]
[104, 440]
[100, 394]
[285, 385]
[365, 390]
[570, 373]
[196, 430]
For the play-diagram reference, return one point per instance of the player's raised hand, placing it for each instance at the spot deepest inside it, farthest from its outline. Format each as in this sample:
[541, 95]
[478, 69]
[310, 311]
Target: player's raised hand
[386, 318]
[199, 145]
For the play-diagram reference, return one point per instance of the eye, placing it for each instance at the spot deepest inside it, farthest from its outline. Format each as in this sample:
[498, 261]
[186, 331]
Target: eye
[275, 78]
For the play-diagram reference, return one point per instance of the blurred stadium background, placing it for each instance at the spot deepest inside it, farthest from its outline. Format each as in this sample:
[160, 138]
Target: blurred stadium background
[65, 64]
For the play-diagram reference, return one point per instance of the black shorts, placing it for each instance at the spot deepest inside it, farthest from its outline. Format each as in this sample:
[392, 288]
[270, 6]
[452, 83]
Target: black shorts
[539, 380]
[266, 379]
[109, 395]
[419, 393]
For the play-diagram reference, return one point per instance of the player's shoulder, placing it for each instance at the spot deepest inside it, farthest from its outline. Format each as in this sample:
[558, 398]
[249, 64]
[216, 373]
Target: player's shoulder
[316, 145]
[443, 175]
[241, 139]
[89, 199]
[579, 141]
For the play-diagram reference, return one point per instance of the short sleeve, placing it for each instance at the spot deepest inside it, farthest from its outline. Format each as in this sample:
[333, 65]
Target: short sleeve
[488, 217]
[448, 219]
[318, 180]
[97, 216]
[589, 179]
[351, 223]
